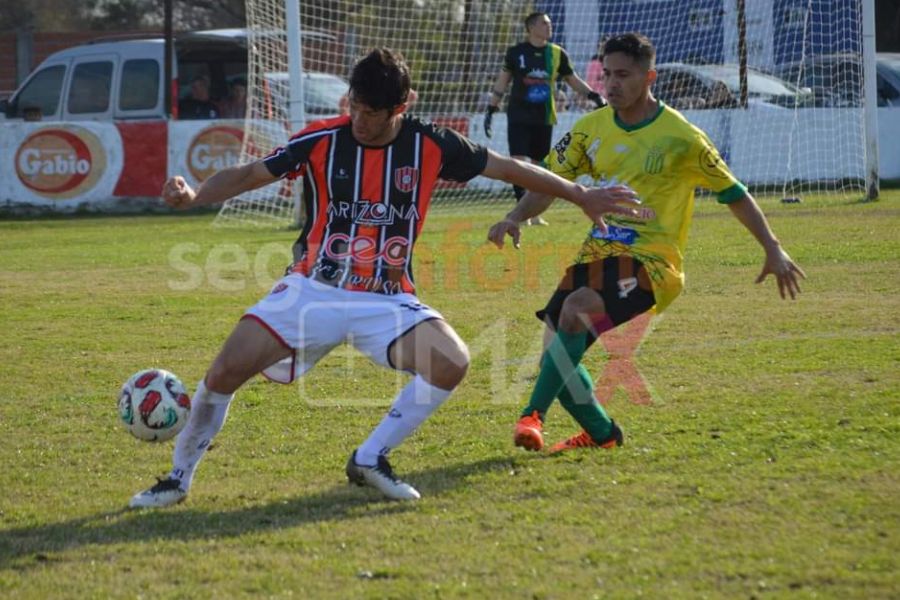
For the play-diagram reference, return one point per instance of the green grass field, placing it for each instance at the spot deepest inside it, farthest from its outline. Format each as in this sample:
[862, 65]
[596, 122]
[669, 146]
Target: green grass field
[767, 464]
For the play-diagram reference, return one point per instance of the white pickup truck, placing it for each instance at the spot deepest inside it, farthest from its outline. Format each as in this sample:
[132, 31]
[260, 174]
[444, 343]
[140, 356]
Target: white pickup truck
[122, 78]
[88, 130]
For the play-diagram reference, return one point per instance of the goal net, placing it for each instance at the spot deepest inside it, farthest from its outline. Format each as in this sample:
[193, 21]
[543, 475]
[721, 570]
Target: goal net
[797, 128]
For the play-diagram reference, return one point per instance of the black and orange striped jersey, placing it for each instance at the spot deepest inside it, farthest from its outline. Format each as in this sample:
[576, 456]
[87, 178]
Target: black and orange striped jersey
[365, 206]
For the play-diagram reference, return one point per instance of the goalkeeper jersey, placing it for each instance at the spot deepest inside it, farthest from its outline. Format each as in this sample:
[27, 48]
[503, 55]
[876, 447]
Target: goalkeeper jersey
[663, 159]
[534, 71]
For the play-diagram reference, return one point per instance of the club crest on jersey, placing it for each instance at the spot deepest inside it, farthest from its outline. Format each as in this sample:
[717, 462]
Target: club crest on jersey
[711, 163]
[561, 146]
[654, 161]
[406, 178]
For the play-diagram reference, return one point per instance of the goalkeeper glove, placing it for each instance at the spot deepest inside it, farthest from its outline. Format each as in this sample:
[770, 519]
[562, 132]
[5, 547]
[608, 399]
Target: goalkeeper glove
[596, 99]
[488, 120]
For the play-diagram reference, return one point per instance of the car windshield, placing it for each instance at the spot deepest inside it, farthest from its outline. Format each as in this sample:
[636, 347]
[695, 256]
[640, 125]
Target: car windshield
[833, 74]
[892, 63]
[757, 83]
[322, 92]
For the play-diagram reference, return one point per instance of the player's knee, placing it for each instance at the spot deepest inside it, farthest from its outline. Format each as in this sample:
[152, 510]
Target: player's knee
[449, 366]
[579, 309]
[224, 375]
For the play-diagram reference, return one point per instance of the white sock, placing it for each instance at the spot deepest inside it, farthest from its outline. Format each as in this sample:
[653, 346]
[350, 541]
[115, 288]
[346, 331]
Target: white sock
[413, 405]
[208, 412]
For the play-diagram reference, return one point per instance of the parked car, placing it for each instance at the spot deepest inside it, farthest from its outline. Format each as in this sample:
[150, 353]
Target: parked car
[836, 80]
[888, 86]
[322, 93]
[123, 78]
[687, 86]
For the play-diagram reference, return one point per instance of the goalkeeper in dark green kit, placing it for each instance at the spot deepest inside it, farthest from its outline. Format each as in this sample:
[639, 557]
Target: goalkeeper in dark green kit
[533, 67]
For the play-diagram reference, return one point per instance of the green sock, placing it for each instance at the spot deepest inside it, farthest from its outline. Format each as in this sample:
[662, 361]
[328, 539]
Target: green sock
[577, 397]
[557, 365]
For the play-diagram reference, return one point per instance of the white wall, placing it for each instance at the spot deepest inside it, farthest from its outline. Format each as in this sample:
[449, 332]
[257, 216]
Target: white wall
[889, 143]
[761, 145]
[58, 166]
[766, 144]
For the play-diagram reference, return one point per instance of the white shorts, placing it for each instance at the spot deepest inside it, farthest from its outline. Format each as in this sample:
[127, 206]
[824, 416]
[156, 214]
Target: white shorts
[311, 318]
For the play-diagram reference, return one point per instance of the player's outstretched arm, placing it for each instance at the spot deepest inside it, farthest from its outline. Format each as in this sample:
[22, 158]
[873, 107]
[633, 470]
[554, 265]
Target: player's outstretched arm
[580, 85]
[543, 186]
[595, 202]
[530, 205]
[778, 262]
[221, 186]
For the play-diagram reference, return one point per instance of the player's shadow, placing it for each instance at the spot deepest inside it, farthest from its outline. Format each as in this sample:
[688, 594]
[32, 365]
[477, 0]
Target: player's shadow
[27, 547]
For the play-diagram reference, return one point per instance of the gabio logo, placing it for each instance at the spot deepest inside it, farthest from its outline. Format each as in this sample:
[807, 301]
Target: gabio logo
[60, 163]
[213, 149]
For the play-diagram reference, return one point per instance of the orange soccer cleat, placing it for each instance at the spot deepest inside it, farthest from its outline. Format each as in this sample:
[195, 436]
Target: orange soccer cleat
[584, 440]
[528, 432]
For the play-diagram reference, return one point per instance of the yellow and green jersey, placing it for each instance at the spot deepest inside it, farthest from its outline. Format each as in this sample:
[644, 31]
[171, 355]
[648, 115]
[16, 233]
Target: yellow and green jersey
[532, 99]
[663, 159]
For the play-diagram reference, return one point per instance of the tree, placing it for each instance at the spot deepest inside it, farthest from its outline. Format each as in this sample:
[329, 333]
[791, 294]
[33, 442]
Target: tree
[45, 15]
[208, 14]
[104, 15]
[127, 14]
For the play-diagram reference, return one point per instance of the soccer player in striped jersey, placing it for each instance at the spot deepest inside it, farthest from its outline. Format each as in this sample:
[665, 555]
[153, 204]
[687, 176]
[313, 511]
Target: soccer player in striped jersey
[636, 263]
[368, 179]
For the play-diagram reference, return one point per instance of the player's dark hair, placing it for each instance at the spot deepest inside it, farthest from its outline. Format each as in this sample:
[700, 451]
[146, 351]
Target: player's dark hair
[533, 18]
[380, 80]
[636, 45]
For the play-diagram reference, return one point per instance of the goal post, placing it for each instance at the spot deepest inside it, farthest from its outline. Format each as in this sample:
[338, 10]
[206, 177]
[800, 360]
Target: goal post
[808, 125]
[870, 99]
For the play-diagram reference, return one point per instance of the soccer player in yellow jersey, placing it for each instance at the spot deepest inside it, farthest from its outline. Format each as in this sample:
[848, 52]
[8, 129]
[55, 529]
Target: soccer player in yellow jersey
[627, 265]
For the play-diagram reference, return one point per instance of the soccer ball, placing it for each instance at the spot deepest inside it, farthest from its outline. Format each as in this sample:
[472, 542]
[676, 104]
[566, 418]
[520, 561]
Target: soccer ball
[153, 405]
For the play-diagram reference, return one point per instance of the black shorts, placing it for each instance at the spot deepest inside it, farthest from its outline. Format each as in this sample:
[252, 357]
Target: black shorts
[622, 282]
[528, 140]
